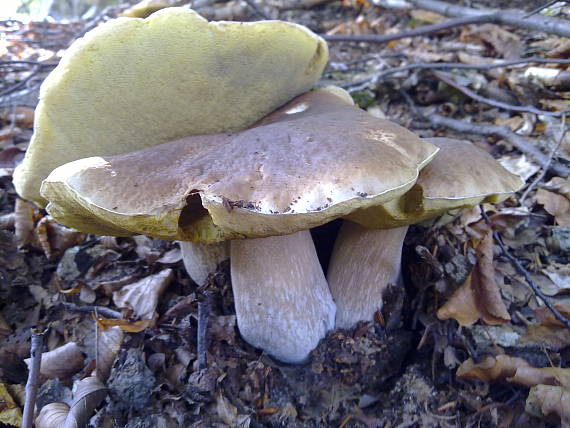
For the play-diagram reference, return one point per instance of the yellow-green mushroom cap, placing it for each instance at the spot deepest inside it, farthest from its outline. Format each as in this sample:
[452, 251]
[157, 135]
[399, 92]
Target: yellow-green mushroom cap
[133, 83]
[460, 176]
[315, 159]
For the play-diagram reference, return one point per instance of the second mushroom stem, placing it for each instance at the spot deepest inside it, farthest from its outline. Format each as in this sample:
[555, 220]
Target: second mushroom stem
[282, 300]
[363, 263]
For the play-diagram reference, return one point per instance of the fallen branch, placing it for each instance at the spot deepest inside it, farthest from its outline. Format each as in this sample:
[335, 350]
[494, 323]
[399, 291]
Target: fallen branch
[512, 17]
[522, 271]
[462, 16]
[88, 309]
[499, 104]
[203, 314]
[373, 81]
[33, 382]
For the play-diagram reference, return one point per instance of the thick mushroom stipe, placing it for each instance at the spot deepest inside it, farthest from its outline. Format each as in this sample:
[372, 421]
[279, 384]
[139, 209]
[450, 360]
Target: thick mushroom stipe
[201, 260]
[363, 263]
[283, 304]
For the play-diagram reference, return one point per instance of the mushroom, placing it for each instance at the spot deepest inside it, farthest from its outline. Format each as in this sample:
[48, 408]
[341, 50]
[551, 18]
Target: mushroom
[133, 83]
[316, 159]
[367, 252]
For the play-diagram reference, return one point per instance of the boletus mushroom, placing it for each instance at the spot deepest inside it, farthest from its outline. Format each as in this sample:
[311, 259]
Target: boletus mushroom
[367, 253]
[315, 159]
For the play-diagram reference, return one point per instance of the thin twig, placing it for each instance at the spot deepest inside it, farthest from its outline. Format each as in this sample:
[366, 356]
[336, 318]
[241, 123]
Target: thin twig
[471, 94]
[522, 271]
[100, 310]
[203, 314]
[21, 83]
[420, 31]
[33, 382]
[540, 176]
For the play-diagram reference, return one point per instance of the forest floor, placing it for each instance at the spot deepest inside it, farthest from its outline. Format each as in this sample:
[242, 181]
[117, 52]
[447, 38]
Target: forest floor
[479, 358]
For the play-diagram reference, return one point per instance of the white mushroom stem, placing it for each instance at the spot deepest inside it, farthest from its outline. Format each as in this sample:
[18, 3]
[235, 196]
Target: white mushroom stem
[363, 263]
[282, 300]
[201, 260]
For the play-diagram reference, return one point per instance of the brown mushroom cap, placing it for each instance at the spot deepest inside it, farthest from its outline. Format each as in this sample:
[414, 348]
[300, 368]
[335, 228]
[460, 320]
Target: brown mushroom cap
[133, 83]
[315, 159]
[461, 175]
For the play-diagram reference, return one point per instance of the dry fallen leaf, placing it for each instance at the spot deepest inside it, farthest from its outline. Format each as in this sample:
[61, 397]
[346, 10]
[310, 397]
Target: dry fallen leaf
[54, 239]
[228, 413]
[88, 393]
[479, 297]
[142, 296]
[126, 325]
[490, 369]
[62, 362]
[513, 370]
[109, 341]
[546, 400]
[10, 413]
[556, 205]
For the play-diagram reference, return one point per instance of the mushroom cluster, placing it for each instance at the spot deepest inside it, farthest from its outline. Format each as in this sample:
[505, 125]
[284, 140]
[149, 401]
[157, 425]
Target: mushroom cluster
[210, 162]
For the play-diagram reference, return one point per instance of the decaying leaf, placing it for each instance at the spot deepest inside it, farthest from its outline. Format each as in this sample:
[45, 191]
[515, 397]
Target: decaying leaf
[142, 296]
[109, 341]
[228, 413]
[520, 165]
[555, 196]
[54, 239]
[546, 400]
[497, 368]
[553, 337]
[513, 370]
[10, 413]
[126, 325]
[479, 297]
[88, 393]
[52, 415]
[62, 362]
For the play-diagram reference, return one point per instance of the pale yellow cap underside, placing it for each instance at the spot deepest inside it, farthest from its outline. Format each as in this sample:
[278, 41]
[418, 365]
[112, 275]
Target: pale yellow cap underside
[133, 83]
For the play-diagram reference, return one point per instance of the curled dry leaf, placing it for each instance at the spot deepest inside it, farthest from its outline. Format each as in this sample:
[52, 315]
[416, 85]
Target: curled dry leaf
[54, 239]
[555, 196]
[88, 393]
[545, 317]
[125, 325]
[546, 400]
[513, 370]
[142, 296]
[109, 341]
[497, 368]
[62, 362]
[228, 413]
[10, 413]
[479, 297]
[52, 415]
